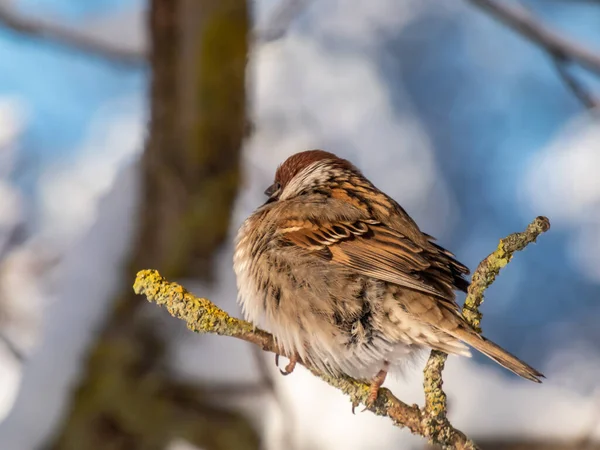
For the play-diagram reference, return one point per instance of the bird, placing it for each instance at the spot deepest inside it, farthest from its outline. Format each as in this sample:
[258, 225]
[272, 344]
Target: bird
[346, 281]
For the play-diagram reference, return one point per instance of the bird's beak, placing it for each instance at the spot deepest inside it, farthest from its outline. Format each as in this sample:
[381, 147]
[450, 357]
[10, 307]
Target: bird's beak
[273, 191]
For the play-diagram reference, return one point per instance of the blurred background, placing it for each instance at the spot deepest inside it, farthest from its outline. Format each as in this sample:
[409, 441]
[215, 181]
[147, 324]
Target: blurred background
[139, 134]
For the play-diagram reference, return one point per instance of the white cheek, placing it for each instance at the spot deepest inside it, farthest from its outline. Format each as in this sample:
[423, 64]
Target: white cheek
[312, 175]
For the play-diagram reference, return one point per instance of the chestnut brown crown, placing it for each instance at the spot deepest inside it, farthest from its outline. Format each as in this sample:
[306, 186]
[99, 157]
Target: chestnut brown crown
[298, 162]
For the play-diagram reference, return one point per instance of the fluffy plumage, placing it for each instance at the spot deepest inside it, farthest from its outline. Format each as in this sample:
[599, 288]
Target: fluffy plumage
[343, 277]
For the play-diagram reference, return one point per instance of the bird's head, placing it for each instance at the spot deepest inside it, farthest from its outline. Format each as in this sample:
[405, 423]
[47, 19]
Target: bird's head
[307, 172]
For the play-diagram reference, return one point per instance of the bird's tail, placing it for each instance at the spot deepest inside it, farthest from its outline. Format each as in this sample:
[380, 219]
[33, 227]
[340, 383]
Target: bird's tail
[498, 354]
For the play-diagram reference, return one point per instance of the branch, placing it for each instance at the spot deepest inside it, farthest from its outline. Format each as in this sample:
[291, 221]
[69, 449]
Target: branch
[12, 348]
[280, 20]
[583, 95]
[524, 23]
[561, 49]
[202, 316]
[483, 277]
[489, 268]
[67, 37]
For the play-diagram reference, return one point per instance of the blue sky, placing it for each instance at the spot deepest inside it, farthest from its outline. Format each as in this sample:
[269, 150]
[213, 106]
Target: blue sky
[61, 89]
[77, 9]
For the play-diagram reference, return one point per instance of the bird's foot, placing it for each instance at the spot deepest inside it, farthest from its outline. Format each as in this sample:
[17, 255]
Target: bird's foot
[290, 366]
[376, 383]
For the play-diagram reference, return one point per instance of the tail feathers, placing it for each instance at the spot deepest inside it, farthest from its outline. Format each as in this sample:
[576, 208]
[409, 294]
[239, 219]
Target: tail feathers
[499, 355]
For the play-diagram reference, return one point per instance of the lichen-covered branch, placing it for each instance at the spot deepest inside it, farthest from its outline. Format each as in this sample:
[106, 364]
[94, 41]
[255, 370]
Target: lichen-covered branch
[202, 316]
[483, 277]
[489, 268]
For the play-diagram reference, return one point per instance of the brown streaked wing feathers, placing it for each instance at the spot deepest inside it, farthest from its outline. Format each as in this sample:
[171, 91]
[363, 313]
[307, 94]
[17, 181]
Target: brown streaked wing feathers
[375, 250]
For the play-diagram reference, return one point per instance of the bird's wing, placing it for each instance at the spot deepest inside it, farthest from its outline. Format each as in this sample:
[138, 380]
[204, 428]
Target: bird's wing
[373, 249]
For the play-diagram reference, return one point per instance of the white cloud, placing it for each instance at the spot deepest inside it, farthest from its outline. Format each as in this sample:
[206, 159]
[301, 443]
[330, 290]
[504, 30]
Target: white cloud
[17, 332]
[10, 377]
[69, 192]
[125, 29]
[11, 213]
[563, 183]
[13, 119]
[308, 95]
[87, 220]
[12, 122]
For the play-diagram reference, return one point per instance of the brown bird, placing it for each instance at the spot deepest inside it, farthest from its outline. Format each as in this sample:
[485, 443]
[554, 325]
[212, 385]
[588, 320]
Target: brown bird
[345, 280]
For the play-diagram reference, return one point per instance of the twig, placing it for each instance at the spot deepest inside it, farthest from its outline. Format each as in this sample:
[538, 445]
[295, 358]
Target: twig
[561, 50]
[593, 2]
[583, 95]
[280, 20]
[234, 389]
[483, 277]
[12, 348]
[519, 19]
[489, 268]
[202, 316]
[67, 37]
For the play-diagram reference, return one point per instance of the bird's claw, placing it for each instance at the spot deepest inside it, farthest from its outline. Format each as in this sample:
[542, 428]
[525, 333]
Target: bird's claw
[369, 403]
[290, 366]
[376, 383]
[372, 398]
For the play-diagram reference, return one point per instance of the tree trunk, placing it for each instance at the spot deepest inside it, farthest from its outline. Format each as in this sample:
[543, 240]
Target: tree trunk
[126, 399]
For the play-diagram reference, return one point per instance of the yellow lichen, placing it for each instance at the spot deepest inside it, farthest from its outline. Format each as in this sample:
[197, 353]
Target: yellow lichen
[201, 315]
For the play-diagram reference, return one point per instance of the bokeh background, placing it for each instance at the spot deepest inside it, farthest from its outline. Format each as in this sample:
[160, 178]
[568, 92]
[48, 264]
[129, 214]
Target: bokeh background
[139, 134]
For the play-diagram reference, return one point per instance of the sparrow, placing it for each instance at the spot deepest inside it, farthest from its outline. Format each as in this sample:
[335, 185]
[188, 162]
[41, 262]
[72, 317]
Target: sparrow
[346, 281]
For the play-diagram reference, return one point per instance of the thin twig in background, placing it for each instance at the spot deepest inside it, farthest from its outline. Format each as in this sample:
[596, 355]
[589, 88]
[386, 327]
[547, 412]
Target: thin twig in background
[523, 22]
[575, 86]
[202, 316]
[280, 20]
[561, 49]
[12, 348]
[233, 389]
[68, 37]
[591, 2]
